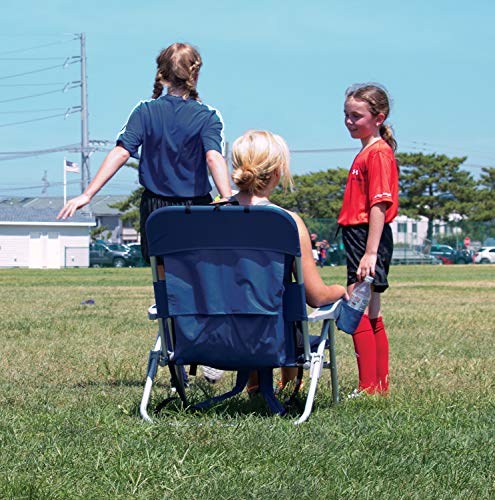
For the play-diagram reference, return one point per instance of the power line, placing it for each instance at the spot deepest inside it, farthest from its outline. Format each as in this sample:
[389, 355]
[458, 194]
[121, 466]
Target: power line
[430, 146]
[15, 51]
[32, 95]
[323, 150]
[29, 84]
[47, 68]
[94, 145]
[68, 112]
[31, 111]
[69, 147]
[50, 184]
[31, 58]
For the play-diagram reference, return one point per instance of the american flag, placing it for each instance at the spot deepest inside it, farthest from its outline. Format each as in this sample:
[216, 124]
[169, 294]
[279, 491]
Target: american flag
[71, 166]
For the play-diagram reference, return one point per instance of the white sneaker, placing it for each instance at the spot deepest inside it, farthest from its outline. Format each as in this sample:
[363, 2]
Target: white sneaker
[356, 393]
[212, 375]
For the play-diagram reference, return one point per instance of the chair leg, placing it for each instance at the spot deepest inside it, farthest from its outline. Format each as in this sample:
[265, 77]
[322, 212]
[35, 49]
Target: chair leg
[151, 373]
[266, 389]
[333, 363]
[315, 372]
[177, 375]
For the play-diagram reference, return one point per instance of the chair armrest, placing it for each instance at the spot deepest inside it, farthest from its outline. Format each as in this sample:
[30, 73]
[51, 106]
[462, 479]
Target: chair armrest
[330, 311]
[152, 312]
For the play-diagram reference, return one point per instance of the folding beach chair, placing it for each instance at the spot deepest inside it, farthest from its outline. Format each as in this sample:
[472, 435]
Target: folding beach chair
[232, 298]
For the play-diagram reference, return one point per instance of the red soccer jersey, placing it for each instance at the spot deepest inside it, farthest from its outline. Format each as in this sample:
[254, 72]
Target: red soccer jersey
[373, 178]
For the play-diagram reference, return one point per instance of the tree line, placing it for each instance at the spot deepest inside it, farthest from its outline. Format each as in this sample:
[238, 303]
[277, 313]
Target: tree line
[430, 185]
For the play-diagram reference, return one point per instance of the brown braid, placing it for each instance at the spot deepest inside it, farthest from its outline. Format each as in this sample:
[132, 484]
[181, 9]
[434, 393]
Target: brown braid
[178, 67]
[158, 86]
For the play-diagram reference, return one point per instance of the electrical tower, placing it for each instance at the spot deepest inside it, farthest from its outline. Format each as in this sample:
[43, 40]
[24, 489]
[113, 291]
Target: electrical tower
[85, 151]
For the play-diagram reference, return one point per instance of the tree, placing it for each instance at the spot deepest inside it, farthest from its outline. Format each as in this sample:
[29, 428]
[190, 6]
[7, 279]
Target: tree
[434, 186]
[97, 232]
[315, 195]
[484, 203]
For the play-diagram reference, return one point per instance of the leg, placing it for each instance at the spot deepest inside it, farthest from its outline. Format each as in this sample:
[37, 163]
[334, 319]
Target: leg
[381, 343]
[288, 374]
[365, 348]
[253, 384]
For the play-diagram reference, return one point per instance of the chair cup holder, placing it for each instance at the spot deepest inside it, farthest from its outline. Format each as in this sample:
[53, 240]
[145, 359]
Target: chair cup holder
[348, 319]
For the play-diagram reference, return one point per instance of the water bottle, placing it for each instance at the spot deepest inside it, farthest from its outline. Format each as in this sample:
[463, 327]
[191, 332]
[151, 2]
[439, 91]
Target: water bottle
[352, 310]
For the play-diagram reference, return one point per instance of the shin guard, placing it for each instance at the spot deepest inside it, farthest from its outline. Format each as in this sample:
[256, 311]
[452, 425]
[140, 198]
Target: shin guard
[364, 346]
[381, 342]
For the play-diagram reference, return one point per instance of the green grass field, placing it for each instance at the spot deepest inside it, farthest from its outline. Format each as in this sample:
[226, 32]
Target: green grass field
[71, 380]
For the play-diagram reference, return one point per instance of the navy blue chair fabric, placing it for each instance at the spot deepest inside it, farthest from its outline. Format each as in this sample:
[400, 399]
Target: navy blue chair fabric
[228, 286]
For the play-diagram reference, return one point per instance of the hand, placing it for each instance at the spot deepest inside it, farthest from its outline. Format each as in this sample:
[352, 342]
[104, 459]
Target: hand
[366, 266]
[343, 292]
[72, 205]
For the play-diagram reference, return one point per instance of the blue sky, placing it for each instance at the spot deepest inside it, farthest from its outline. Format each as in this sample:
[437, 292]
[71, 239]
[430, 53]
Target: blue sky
[276, 65]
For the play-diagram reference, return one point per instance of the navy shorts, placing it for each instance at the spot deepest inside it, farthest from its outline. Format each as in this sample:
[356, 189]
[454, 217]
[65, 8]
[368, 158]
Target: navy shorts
[354, 238]
[151, 202]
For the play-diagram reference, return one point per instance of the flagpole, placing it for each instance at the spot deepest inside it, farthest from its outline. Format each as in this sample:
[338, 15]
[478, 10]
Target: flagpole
[65, 182]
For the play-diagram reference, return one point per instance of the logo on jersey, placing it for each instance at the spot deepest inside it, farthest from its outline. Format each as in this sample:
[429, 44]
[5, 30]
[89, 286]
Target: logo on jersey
[355, 171]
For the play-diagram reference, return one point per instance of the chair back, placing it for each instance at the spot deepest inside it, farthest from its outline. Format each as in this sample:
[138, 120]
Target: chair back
[228, 289]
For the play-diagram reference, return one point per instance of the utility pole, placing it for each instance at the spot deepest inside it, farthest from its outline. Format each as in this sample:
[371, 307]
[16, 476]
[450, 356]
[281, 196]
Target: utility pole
[46, 184]
[85, 172]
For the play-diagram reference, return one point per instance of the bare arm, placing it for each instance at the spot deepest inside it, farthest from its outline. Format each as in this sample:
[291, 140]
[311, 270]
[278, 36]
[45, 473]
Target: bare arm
[114, 160]
[219, 171]
[317, 293]
[376, 223]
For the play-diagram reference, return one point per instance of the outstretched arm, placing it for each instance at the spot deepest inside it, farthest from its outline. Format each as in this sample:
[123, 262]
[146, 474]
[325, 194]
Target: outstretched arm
[219, 171]
[117, 157]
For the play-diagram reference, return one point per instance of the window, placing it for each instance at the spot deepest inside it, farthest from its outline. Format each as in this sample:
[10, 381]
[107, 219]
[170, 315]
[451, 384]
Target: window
[402, 227]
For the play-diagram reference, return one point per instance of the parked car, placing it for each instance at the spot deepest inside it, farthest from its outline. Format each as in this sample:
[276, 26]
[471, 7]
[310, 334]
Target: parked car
[101, 254]
[485, 255]
[408, 256]
[449, 255]
[136, 247]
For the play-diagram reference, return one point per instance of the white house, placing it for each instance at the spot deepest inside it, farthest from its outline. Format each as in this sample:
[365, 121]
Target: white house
[100, 207]
[412, 232]
[34, 238]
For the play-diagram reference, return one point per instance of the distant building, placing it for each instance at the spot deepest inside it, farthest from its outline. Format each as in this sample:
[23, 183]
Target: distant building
[413, 232]
[103, 214]
[34, 238]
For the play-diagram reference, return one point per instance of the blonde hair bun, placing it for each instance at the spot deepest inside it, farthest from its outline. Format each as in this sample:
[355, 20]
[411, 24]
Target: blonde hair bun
[256, 155]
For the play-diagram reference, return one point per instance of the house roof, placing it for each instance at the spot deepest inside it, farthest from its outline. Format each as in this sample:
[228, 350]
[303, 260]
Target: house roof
[12, 214]
[98, 207]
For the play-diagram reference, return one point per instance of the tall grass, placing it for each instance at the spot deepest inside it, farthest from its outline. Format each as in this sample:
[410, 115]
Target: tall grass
[71, 379]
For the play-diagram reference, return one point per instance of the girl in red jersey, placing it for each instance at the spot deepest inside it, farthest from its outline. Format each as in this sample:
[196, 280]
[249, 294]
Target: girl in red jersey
[370, 204]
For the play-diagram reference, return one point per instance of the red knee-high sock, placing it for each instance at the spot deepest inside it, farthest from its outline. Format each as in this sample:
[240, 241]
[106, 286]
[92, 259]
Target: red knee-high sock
[364, 345]
[381, 342]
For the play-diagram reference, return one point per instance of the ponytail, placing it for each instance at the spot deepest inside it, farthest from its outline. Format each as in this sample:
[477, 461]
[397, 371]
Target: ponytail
[387, 135]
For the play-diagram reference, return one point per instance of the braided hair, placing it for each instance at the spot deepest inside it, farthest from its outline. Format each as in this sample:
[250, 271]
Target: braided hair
[178, 68]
